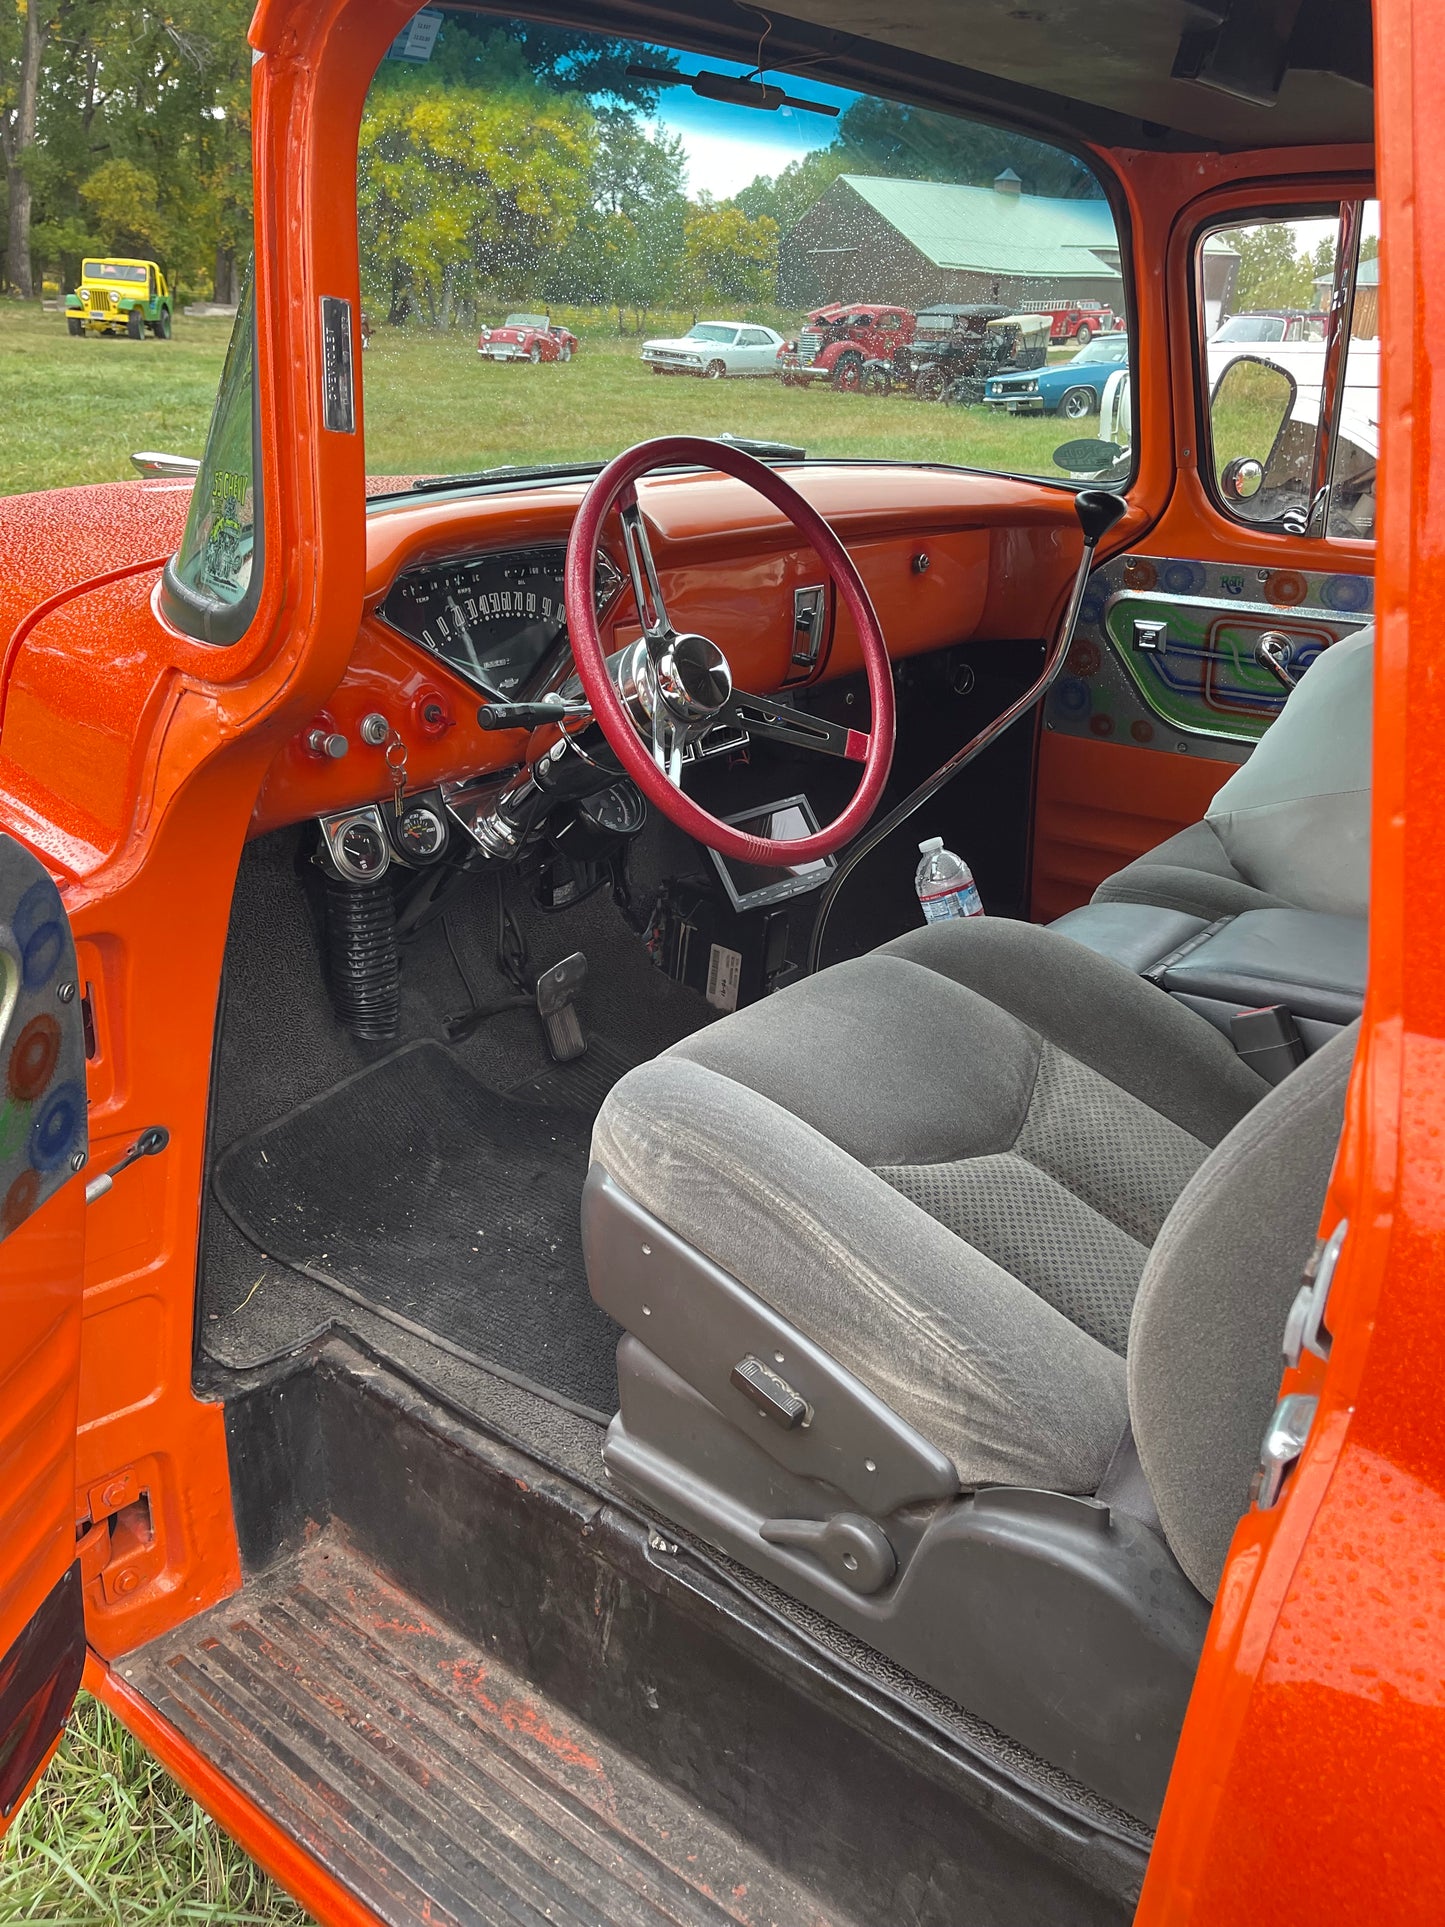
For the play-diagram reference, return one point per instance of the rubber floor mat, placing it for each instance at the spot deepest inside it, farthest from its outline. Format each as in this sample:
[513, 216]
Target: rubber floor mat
[445, 1206]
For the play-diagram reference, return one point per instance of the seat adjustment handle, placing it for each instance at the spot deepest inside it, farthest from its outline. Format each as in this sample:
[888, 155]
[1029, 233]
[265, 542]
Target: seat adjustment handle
[854, 1549]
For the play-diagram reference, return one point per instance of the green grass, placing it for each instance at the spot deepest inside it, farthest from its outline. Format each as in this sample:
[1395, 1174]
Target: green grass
[75, 409]
[432, 405]
[108, 1839]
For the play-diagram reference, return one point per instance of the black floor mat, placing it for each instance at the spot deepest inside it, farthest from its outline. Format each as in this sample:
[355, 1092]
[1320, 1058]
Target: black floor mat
[443, 1205]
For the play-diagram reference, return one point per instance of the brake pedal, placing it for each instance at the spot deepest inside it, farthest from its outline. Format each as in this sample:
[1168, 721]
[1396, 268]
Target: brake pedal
[557, 992]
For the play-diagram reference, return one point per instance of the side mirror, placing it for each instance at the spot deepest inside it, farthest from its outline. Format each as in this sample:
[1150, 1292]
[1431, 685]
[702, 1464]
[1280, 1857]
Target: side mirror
[1241, 478]
[1250, 412]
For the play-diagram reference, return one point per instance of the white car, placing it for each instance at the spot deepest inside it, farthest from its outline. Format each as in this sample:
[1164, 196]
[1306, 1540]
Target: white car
[716, 349]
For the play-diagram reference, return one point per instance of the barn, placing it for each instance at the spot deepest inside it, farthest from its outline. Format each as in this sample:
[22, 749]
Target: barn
[870, 238]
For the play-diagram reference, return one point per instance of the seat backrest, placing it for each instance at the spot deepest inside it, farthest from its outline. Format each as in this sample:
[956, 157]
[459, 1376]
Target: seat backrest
[1295, 820]
[1204, 1340]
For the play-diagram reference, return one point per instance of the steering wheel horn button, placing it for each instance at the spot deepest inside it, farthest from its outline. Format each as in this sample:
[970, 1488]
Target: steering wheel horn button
[693, 678]
[773, 1396]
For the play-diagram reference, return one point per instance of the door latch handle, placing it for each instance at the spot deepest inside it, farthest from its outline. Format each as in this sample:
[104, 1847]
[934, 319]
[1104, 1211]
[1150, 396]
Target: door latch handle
[149, 1144]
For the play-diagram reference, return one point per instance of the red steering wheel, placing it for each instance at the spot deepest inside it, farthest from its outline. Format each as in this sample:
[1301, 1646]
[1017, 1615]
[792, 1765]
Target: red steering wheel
[673, 685]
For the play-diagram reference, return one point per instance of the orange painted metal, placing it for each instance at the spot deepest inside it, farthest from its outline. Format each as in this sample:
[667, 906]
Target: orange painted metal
[133, 761]
[1099, 805]
[1306, 1786]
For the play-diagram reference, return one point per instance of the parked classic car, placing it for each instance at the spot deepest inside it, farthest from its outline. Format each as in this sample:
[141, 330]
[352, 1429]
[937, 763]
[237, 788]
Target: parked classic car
[836, 342]
[715, 350]
[1272, 324]
[1072, 388]
[564, 1356]
[527, 337]
[1076, 320]
[118, 296]
[951, 358]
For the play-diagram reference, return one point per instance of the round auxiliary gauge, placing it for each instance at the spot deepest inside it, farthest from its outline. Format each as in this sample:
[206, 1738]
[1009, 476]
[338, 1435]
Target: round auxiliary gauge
[361, 850]
[421, 833]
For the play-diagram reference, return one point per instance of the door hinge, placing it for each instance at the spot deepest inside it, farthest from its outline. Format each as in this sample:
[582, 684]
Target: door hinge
[116, 1541]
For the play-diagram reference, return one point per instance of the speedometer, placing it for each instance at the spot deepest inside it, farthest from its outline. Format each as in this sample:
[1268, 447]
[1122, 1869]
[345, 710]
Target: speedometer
[495, 619]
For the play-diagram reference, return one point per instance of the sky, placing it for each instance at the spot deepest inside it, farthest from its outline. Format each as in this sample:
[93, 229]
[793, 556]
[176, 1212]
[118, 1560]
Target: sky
[729, 146]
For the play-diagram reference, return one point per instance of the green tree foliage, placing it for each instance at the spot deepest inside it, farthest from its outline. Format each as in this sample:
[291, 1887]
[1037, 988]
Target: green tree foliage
[728, 256]
[1272, 272]
[461, 189]
[125, 86]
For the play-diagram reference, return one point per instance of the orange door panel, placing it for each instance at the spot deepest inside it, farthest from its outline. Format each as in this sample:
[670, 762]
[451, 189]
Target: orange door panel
[43, 1150]
[1161, 698]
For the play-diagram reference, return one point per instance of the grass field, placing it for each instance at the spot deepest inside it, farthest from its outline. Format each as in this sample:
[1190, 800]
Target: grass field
[109, 1840]
[74, 410]
[77, 409]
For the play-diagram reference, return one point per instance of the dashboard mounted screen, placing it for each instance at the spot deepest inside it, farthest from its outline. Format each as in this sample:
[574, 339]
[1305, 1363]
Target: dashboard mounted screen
[497, 620]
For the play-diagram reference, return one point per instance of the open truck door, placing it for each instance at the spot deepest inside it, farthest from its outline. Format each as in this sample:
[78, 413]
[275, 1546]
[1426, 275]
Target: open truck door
[42, 1237]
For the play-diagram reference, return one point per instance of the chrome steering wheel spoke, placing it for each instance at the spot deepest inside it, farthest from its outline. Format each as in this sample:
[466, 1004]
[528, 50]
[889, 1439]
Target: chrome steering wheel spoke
[780, 723]
[657, 630]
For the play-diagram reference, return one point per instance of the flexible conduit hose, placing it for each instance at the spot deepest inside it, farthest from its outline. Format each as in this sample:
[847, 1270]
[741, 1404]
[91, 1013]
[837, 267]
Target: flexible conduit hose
[1098, 510]
[361, 949]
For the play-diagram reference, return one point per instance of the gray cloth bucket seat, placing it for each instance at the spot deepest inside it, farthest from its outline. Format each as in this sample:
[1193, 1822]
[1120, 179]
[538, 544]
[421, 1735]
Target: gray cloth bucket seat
[954, 1281]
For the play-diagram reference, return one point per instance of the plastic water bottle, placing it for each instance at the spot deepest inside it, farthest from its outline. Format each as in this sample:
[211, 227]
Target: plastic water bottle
[945, 884]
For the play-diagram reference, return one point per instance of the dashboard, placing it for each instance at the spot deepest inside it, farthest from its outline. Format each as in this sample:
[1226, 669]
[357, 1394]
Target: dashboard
[497, 620]
[463, 600]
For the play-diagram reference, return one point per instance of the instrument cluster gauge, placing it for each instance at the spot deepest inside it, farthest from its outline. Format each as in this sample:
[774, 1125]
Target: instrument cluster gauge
[498, 620]
[357, 844]
[419, 835]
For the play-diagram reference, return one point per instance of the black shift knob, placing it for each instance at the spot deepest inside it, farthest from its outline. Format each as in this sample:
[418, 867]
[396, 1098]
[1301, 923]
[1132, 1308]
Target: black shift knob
[1098, 509]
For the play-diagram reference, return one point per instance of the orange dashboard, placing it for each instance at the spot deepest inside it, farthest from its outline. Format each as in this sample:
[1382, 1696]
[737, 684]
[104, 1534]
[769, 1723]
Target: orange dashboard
[946, 556]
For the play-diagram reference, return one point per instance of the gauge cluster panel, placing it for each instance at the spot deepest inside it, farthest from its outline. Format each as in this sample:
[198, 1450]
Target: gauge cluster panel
[498, 620]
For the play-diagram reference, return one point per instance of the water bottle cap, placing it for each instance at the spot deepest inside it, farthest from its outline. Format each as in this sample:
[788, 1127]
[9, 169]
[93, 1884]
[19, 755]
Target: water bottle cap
[930, 844]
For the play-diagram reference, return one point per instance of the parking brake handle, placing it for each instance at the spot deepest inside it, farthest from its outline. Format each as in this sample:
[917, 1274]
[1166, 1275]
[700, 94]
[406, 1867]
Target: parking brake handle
[1098, 509]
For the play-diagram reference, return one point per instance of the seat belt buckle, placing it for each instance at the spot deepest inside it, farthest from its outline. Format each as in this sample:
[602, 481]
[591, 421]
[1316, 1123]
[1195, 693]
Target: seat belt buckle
[1268, 1040]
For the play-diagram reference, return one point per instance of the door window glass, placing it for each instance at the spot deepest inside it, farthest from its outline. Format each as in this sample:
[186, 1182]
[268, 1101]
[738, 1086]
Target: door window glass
[1265, 289]
[212, 584]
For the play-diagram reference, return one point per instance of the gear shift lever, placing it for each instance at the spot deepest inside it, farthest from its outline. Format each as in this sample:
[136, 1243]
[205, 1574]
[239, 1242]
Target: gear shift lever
[1098, 509]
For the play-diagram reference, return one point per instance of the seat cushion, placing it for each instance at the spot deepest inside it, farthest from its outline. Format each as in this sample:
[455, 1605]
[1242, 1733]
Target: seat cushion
[1190, 872]
[946, 1163]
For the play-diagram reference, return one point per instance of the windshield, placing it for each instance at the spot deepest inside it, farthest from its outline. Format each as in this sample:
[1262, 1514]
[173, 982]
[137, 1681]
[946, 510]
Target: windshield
[1252, 327]
[681, 219]
[525, 321]
[1116, 350]
[112, 271]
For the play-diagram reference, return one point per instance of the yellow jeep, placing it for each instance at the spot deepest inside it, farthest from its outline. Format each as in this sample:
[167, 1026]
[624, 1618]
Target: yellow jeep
[118, 296]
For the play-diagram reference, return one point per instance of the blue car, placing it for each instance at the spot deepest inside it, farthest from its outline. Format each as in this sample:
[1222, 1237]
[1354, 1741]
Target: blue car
[1072, 388]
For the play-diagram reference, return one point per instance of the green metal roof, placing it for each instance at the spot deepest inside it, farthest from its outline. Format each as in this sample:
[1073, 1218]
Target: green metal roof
[990, 232]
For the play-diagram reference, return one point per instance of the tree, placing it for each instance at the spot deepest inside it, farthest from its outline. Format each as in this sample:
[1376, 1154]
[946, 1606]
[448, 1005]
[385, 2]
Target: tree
[459, 190]
[18, 126]
[1271, 273]
[728, 257]
[124, 201]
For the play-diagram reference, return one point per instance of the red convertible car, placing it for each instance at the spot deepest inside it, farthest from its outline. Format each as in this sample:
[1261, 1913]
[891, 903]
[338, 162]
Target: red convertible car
[527, 337]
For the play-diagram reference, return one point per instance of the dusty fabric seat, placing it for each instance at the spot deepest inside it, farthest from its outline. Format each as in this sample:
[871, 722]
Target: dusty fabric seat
[948, 1162]
[953, 1164]
[1291, 828]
